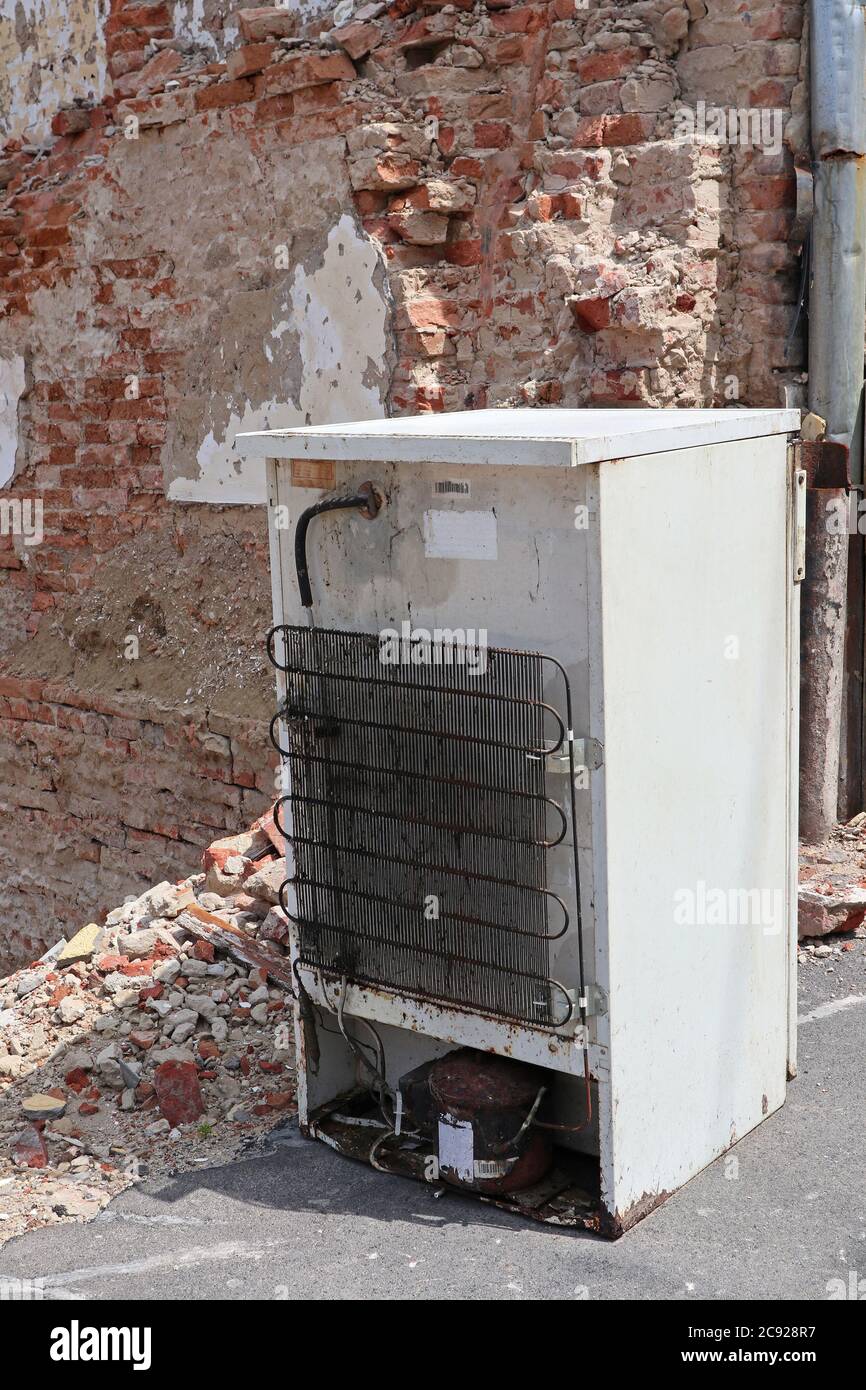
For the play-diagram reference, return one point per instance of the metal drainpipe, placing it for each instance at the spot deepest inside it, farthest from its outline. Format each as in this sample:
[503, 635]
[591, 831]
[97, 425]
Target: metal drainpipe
[837, 326]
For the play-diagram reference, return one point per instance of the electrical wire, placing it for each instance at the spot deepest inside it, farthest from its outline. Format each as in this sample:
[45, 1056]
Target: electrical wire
[381, 1090]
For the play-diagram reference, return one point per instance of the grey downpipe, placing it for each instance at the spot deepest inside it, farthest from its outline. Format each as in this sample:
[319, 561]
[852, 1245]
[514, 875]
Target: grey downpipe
[837, 327]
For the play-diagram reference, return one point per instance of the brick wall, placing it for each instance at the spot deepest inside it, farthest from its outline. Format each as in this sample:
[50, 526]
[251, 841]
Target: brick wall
[547, 235]
[101, 801]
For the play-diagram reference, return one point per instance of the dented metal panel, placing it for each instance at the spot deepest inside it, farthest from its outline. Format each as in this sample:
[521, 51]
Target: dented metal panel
[838, 68]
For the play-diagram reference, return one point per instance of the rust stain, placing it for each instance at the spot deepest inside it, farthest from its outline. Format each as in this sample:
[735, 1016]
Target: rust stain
[614, 1224]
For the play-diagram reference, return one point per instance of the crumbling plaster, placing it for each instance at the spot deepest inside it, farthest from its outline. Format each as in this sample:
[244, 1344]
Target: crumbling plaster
[324, 358]
[12, 381]
[51, 52]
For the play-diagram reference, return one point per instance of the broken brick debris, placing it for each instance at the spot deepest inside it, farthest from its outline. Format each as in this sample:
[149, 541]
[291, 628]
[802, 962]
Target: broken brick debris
[148, 1042]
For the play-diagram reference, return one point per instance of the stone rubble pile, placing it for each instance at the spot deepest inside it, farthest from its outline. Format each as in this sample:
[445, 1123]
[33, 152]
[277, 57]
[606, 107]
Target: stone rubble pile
[832, 887]
[155, 1042]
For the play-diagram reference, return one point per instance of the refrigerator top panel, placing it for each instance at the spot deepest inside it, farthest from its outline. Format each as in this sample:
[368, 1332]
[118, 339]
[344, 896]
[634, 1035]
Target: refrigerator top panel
[549, 437]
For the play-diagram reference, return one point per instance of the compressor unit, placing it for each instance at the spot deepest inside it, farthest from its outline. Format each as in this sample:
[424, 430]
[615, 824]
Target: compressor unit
[537, 714]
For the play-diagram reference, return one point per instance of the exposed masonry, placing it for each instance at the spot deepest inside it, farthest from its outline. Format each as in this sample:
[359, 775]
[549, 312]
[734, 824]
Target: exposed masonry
[521, 223]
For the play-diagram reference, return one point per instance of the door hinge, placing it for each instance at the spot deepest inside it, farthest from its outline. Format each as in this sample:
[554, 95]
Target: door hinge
[593, 1001]
[588, 753]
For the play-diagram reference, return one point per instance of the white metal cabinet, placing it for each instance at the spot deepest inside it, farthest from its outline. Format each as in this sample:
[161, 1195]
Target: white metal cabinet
[651, 554]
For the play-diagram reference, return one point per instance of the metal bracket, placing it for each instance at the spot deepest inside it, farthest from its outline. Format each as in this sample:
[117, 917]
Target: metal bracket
[799, 525]
[805, 207]
[593, 1001]
[588, 753]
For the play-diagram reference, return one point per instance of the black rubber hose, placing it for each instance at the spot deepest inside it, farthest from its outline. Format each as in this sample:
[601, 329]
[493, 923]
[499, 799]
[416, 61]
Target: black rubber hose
[365, 499]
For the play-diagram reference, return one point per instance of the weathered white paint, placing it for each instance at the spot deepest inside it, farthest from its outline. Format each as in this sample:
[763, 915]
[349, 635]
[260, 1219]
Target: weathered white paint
[558, 1053]
[11, 391]
[685, 547]
[694, 582]
[51, 51]
[311, 9]
[223, 478]
[334, 318]
[188, 20]
[341, 318]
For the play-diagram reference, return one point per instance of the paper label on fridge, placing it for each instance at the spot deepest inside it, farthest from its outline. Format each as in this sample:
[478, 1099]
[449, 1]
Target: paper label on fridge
[457, 1147]
[454, 535]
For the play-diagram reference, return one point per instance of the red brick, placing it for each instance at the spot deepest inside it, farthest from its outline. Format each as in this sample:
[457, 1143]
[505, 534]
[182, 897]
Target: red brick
[276, 108]
[279, 1100]
[244, 62]
[600, 67]
[591, 314]
[768, 193]
[267, 21]
[433, 313]
[632, 129]
[358, 39]
[136, 17]
[468, 252]
[522, 20]
[71, 122]
[178, 1092]
[307, 70]
[492, 135]
[50, 236]
[223, 94]
[467, 167]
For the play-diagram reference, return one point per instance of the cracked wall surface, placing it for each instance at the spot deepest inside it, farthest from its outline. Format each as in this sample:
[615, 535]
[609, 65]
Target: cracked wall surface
[51, 51]
[259, 217]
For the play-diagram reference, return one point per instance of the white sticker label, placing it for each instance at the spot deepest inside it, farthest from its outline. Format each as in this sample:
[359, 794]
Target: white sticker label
[452, 487]
[460, 535]
[457, 1147]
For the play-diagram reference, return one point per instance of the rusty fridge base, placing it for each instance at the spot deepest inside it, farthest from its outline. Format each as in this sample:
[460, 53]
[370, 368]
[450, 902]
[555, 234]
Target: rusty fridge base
[567, 1196]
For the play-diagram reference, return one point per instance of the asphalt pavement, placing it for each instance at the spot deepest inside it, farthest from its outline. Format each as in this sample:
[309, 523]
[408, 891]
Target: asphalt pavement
[298, 1221]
